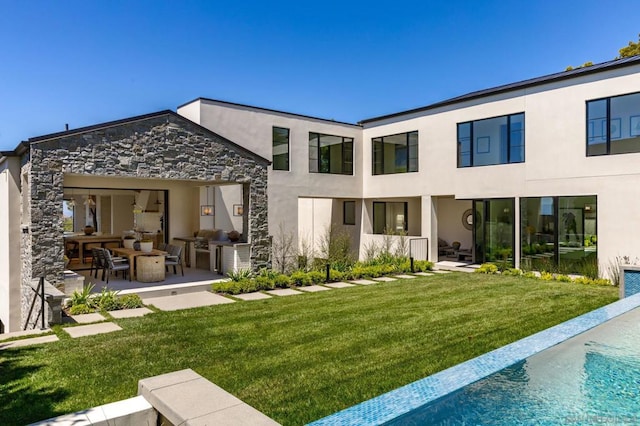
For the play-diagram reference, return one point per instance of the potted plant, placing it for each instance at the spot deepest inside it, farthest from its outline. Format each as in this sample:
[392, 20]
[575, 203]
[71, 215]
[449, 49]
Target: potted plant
[89, 230]
[146, 245]
[233, 236]
[128, 241]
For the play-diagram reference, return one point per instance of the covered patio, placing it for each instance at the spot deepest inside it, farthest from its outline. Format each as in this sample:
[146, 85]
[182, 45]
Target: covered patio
[159, 178]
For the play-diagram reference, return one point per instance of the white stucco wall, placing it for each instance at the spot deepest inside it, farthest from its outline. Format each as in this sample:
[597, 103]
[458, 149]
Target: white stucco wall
[555, 160]
[10, 277]
[252, 127]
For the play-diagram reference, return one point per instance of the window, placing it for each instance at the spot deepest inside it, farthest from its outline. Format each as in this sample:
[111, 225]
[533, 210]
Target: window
[280, 148]
[395, 154]
[330, 154]
[613, 125]
[491, 141]
[349, 213]
[389, 218]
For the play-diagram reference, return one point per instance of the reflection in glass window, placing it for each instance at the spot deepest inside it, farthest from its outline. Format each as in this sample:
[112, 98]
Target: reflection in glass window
[349, 213]
[330, 154]
[389, 217]
[395, 153]
[613, 125]
[498, 140]
[280, 148]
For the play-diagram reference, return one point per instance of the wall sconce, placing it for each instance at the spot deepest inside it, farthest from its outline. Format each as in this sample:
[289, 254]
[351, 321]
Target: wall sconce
[206, 209]
[587, 208]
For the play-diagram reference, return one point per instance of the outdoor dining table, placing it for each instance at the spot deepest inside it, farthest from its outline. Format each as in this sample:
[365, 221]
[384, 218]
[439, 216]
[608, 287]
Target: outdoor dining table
[81, 240]
[131, 254]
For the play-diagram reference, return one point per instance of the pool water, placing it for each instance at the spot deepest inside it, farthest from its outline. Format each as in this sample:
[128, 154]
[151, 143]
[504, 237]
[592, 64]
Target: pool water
[592, 378]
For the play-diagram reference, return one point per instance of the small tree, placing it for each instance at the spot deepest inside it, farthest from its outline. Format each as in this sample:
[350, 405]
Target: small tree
[632, 49]
[284, 250]
[335, 247]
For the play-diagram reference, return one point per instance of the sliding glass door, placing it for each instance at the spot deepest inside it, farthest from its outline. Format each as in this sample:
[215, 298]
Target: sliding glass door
[494, 231]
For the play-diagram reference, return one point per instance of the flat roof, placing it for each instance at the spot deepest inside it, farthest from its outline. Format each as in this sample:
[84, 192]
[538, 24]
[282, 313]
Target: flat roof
[559, 76]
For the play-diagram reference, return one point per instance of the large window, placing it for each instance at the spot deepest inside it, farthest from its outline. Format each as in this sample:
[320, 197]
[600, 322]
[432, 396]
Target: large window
[389, 218]
[559, 233]
[613, 125]
[498, 140]
[395, 154]
[330, 154]
[280, 148]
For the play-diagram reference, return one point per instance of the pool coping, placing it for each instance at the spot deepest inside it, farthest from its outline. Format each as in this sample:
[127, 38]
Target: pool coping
[398, 402]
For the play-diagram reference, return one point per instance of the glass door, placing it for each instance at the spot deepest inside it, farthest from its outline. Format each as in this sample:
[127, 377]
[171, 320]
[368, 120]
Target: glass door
[494, 230]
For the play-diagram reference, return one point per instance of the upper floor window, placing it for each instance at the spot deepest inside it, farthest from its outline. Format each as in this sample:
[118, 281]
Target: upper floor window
[613, 125]
[395, 153]
[498, 140]
[330, 154]
[280, 148]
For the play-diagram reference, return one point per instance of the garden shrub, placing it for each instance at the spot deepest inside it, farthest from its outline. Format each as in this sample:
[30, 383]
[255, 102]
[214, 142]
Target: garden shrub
[107, 300]
[487, 268]
[335, 275]
[130, 301]
[422, 265]
[546, 276]
[512, 272]
[80, 309]
[262, 282]
[316, 277]
[282, 281]
[301, 278]
[563, 278]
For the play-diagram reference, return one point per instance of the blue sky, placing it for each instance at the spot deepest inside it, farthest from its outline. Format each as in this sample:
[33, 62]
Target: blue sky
[87, 62]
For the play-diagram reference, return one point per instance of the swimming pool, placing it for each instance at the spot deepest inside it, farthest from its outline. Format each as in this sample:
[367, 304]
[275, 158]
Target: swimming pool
[583, 371]
[593, 378]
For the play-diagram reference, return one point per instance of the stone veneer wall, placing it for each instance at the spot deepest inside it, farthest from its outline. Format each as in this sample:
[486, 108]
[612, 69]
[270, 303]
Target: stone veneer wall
[164, 146]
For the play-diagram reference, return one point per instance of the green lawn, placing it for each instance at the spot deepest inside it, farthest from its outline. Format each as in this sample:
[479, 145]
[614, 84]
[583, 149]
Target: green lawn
[295, 358]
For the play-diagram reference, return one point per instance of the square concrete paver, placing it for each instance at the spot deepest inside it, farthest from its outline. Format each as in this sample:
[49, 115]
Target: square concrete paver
[441, 272]
[86, 318]
[187, 301]
[27, 342]
[313, 288]
[364, 282]
[339, 285]
[130, 313]
[404, 277]
[424, 274]
[284, 292]
[384, 279]
[252, 296]
[90, 330]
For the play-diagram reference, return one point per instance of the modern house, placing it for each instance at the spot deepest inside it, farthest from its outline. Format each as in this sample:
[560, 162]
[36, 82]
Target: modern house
[534, 173]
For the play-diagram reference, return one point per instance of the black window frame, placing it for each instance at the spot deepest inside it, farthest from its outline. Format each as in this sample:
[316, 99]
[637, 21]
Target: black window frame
[273, 140]
[380, 140]
[347, 152]
[509, 144]
[344, 212]
[608, 121]
[406, 216]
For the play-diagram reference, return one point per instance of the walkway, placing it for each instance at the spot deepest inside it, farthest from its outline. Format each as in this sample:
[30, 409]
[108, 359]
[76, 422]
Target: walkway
[97, 323]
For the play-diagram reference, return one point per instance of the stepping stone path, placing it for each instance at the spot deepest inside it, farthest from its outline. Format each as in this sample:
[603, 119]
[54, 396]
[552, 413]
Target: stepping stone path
[284, 292]
[252, 296]
[130, 313]
[364, 282]
[441, 272]
[424, 274]
[340, 285]
[384, 279]
[313, 288]
[89, 330]
[28, 342]
[85, 318]
[187, 301]
[404, 277]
